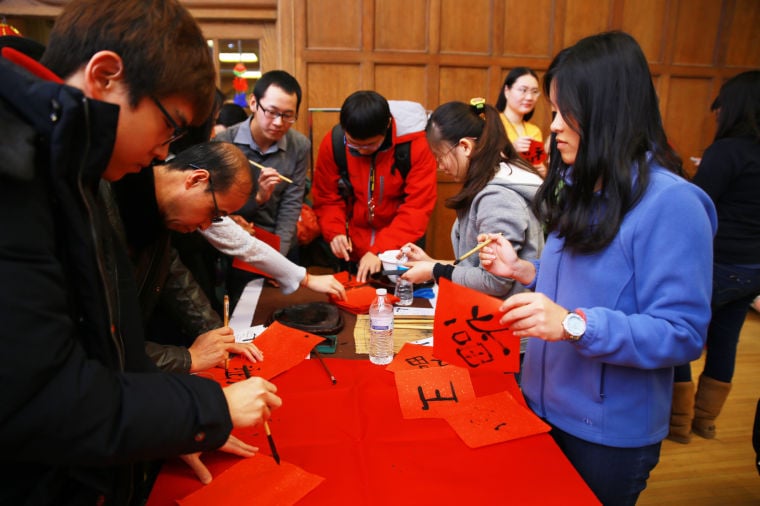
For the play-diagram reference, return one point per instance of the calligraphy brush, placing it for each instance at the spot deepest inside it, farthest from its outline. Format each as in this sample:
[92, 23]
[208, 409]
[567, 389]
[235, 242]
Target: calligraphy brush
[270, 439]
[475, 249]
[226, 323]
[255, 164]
[324, 365]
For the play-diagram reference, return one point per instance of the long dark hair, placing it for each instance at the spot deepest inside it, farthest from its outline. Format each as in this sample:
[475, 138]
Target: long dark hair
[513, 75]
[603, 88]
[738, 105]
[454, 121]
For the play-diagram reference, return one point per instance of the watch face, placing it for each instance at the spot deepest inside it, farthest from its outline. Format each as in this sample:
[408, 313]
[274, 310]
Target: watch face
[574, 325]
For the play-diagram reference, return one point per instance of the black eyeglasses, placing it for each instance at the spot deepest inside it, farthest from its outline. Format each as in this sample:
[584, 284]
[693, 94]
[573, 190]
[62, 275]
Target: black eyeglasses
[216, 217]
[179, 131]
[287, 117]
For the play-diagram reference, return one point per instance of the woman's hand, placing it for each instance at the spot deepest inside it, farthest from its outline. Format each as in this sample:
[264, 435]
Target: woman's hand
[419, 272]
[500, 258]
[522, 144]
[413, 253]
[531, 314]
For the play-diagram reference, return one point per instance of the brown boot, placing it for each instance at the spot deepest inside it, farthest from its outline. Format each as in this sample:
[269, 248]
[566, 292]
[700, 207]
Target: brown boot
[711, 395]
[681, 412]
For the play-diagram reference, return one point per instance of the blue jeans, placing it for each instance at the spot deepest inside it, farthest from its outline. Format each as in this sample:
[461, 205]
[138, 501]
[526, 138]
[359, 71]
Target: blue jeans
[734, 288]
[616, 475]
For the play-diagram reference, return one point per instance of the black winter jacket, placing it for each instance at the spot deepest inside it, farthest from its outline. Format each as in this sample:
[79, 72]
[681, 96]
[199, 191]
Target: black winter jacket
[80, 403]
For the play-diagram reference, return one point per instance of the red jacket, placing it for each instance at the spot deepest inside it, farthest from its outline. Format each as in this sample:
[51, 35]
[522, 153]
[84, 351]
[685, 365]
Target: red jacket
[402, 205]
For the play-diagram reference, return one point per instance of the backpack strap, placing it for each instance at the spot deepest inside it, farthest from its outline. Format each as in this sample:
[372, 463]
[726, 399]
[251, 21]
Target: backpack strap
[345, 188]
[402, 158]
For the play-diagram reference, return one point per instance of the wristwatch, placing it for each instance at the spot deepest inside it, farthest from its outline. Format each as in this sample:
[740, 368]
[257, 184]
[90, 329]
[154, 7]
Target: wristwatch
[574, 325]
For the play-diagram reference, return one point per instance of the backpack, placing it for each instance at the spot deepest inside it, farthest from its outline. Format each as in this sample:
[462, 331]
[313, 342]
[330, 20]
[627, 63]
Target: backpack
[402, 160]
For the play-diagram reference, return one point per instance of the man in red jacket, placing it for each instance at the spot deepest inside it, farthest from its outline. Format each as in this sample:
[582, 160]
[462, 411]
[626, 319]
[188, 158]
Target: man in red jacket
[381, 207]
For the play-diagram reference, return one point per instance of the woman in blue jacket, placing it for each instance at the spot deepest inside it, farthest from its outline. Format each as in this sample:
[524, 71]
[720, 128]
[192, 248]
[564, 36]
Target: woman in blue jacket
[622, 288]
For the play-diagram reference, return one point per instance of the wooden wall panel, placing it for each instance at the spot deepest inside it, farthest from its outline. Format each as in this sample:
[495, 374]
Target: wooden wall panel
[402, 25]
[744, 44]
[695, 41]
[461, 83]
[519, 41]
[329, 85]
[688, 117]
[584, 17]
[650, 29]
[466, 27]
[402, 82]
[333, 24]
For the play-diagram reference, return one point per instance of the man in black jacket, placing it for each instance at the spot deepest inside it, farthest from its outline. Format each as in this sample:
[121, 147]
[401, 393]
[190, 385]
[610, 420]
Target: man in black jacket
[82, 405]
[174, 195]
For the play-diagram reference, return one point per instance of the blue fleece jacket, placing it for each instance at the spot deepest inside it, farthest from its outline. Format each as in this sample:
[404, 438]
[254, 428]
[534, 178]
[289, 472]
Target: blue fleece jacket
[646, 297]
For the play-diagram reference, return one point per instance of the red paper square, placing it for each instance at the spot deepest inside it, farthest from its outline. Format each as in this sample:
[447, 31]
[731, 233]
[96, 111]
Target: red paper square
[433, 393]
[468, 333]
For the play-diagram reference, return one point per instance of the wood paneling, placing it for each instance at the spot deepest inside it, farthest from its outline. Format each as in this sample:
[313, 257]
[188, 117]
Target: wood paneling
[333, 24]
[649, 30]
[402, 82]
[527, 28]
[462, 83]
[466, 27]
[743, 44]
[401, 25]
[695, 40]
[689, 116]
[583, 18]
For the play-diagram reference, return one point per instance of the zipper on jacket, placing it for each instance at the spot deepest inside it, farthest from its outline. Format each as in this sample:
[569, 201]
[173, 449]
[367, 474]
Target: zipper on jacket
[99, 254]
[602, 376]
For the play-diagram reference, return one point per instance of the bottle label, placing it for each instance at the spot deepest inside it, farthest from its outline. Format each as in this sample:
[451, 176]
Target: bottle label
[380, 327]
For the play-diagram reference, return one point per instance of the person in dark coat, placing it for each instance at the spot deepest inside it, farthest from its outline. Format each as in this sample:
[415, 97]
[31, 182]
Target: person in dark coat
[82, 406]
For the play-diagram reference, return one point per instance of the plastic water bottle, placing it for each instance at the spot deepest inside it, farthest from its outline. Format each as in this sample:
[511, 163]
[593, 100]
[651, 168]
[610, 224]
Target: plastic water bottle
[381, 329]
[404, 288]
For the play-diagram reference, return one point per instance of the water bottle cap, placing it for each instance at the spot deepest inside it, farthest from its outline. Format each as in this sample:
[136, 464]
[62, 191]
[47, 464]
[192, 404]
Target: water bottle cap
[381, 291]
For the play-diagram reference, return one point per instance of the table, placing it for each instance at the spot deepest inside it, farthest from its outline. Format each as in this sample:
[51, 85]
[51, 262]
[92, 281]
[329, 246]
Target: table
[353, 434]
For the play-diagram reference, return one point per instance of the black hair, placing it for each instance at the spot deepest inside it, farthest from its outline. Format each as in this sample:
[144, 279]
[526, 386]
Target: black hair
[738, 105]
[230, 114]
[512, 76]
[603, 89]
[224, 161]
[282, 80]
[454, 121]
[365, 114]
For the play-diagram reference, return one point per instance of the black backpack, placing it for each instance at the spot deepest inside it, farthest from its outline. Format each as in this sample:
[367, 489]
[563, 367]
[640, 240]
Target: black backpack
[402, 160]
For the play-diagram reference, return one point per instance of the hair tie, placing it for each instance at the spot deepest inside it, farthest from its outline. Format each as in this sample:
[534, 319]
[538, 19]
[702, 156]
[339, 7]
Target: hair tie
[478, 106]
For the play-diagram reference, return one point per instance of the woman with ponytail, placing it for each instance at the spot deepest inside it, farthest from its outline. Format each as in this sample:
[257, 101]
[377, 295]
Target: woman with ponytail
[470, 145]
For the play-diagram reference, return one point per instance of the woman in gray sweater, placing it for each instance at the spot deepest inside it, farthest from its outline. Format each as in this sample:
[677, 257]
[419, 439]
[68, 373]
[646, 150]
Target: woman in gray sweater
[471, 146]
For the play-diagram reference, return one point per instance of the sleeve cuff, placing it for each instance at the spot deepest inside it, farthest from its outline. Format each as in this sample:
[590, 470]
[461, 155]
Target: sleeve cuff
[443, 270]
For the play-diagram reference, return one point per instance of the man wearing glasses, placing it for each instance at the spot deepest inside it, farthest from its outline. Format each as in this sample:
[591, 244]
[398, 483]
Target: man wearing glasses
[266, 138]
[83, 409]
[386, 208]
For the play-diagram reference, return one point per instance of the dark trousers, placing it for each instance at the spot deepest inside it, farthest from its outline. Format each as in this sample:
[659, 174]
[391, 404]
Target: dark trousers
[616, 475]
[734, 288]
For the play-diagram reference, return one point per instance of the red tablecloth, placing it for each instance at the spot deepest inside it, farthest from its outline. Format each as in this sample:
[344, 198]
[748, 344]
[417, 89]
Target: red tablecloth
[353, 434]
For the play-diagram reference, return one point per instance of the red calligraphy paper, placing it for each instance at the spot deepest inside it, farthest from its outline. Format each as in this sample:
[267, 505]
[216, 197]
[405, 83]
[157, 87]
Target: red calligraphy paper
[433, 393]
[468, 333]
[359, 296]
[494, 419]
[414, 356]
[283, 347]
[256, 480]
